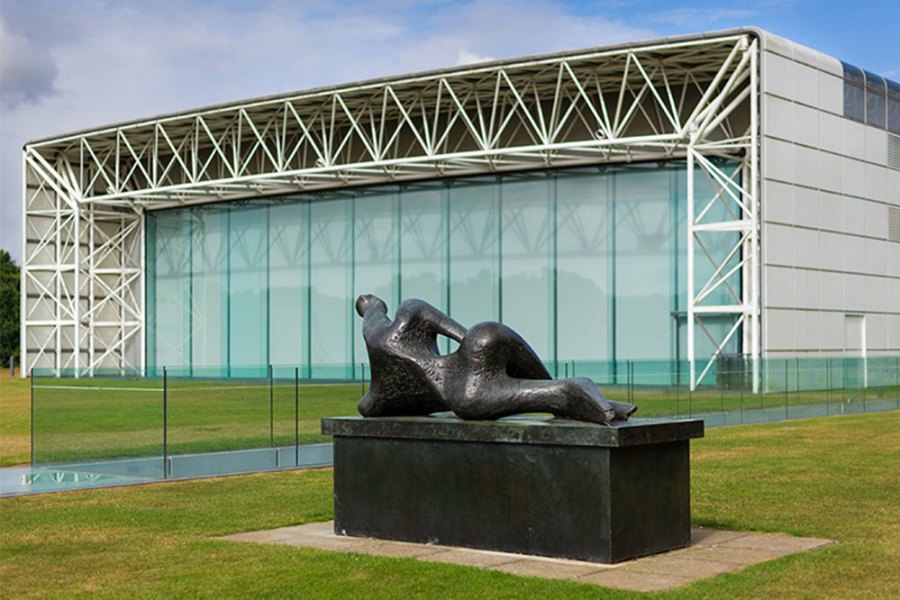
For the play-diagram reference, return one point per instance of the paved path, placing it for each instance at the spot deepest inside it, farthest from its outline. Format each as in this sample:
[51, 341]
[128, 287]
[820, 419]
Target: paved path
[711, 552]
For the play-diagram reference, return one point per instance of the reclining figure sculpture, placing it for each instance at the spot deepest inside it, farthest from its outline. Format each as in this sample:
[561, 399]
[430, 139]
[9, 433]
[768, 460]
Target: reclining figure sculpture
[494, 372]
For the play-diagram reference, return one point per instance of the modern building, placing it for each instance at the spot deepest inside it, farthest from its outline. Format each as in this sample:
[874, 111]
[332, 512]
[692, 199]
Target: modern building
[681, 199]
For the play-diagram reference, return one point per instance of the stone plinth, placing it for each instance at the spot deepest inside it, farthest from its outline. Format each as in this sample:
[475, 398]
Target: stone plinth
[528, 485]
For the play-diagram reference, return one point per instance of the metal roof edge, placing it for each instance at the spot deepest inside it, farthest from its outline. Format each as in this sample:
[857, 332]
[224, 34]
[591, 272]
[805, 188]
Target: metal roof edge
[755, 31]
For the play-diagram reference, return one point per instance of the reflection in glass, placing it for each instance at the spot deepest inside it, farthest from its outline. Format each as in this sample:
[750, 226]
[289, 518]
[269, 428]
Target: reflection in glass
[893, 106]
[289, 282]
[854, 102]
[875, 101]
[209, 283]
[526, 278]
[331, 288]
[587, 264]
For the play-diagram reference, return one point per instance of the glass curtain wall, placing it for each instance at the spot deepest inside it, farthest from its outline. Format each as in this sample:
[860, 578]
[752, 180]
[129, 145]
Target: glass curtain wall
[589, 265]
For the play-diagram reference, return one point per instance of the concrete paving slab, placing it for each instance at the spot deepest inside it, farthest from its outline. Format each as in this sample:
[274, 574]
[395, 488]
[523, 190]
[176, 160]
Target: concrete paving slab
[772, 541]
[473, 558]
[712, 552]
[324, 528]
[400, 549]
[665, 564]
[645, 582]
[703, 536]
[323, 538]
[561, 569]
[739, 557]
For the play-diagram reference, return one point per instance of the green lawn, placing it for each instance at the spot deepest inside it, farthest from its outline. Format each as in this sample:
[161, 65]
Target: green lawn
[837, 477]
[15, 422]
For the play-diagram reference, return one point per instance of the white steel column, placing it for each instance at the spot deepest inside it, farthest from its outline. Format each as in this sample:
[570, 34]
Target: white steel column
[708, 138]
[142, 289]
[691, 316]
[91, 293]
[24, 363]
[755, 274]
[77, 292]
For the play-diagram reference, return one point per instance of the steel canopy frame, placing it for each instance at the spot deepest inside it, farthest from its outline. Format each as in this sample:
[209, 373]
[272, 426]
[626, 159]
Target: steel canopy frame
[85, 194]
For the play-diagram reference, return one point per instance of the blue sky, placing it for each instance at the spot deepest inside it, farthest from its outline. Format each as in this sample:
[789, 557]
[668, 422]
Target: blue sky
[73, 64]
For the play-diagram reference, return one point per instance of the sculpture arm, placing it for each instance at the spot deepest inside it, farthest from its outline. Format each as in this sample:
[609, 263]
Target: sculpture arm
[450, 328]
[435, 319]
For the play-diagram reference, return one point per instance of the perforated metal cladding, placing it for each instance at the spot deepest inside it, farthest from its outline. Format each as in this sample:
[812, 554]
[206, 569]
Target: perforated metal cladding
[893, 223]
[893, 142]
[893, 211]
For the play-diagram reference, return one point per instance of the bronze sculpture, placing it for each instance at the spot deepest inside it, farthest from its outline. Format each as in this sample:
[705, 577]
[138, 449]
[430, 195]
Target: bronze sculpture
[494, 372]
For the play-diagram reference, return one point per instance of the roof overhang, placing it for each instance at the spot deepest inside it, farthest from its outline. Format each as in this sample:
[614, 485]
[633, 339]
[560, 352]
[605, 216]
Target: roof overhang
[625, 102]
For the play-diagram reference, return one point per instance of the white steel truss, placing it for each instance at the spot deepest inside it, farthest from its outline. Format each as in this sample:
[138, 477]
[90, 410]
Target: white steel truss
[85, 194]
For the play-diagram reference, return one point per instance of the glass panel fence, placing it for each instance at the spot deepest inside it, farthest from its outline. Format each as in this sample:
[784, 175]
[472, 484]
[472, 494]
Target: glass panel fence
[208, 416]
[188, 422]
[110, 422]
[786, 388]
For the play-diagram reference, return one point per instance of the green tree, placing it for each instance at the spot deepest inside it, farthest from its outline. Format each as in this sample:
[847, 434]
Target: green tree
[9, 308]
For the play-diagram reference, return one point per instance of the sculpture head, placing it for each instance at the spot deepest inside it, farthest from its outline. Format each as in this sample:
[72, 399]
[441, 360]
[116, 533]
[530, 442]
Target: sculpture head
[368, 302]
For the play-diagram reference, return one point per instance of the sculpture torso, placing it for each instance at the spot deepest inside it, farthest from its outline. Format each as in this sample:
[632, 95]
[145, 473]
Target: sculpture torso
[405, 361]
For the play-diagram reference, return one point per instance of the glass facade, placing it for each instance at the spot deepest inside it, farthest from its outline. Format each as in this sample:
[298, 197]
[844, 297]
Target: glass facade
[589, 265]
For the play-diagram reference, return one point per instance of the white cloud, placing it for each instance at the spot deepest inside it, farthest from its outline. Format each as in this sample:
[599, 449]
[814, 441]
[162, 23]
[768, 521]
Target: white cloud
[80, 65]
[27, 72]
[464, 57]
[698, 18]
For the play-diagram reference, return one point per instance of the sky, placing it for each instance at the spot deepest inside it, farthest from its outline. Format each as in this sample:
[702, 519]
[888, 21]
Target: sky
[67, 65]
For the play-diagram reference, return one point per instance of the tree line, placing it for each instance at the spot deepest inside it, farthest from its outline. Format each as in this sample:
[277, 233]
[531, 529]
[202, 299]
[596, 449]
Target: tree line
[9, 308]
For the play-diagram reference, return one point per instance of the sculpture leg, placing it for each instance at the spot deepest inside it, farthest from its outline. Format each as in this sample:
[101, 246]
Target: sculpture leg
[509, 378]
[494, 347]
[577, 398]
[376, 404]
[623, 409]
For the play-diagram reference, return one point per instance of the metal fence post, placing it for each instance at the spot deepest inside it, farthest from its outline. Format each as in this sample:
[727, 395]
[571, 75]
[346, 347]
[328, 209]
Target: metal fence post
[865, 381]
[677, 393]
[296, 416]
[897, 381]
[165, 424]
[628, 380]
[271, 409]
[843, 381]
[786, 384]
[31, 384]
[690, 401]
[766, 385]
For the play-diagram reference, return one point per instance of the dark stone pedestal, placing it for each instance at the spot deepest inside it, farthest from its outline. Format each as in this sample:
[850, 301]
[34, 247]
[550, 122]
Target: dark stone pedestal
[523, 484]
